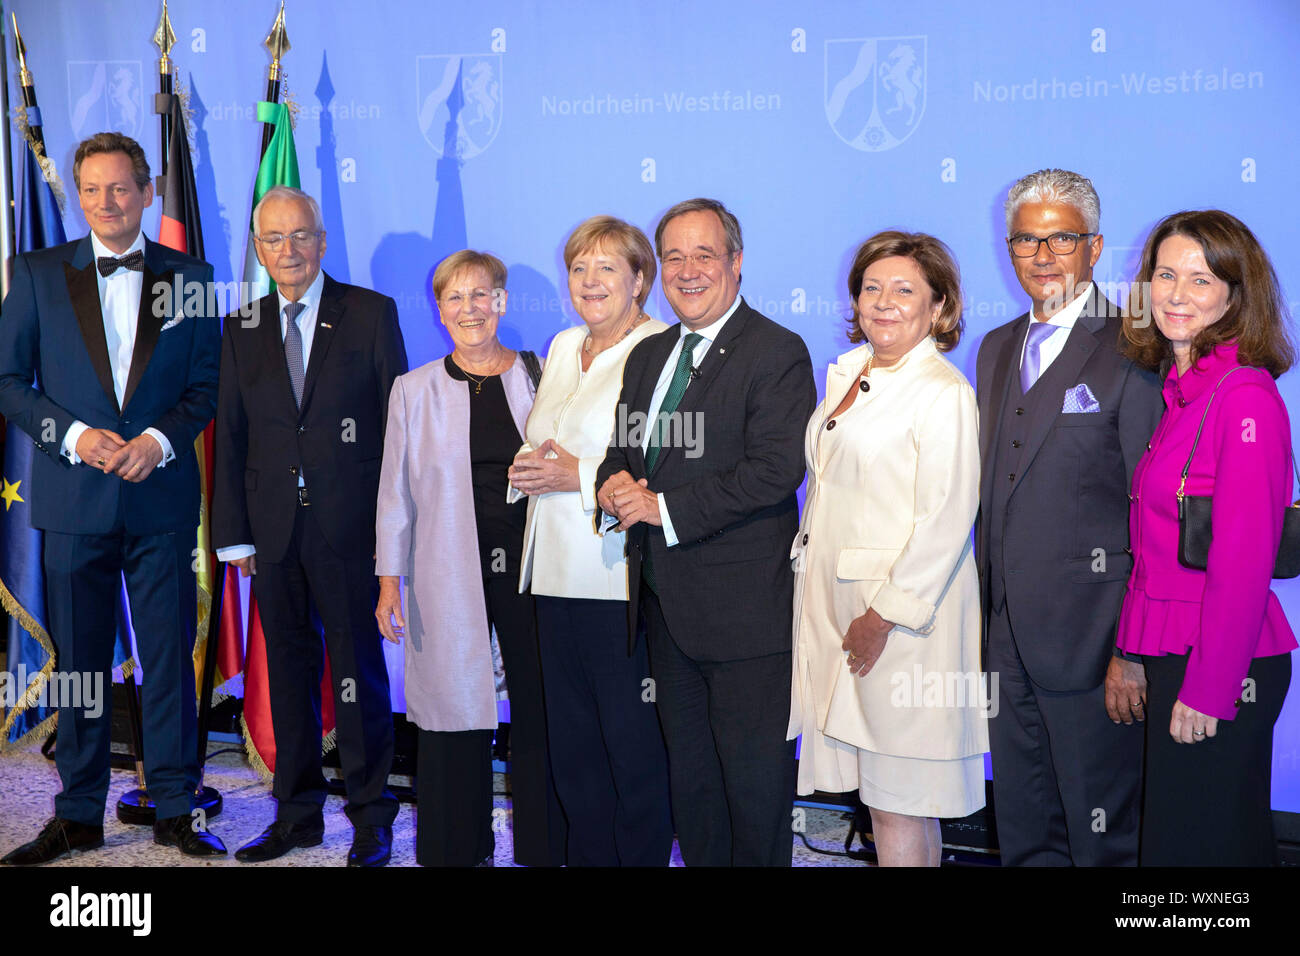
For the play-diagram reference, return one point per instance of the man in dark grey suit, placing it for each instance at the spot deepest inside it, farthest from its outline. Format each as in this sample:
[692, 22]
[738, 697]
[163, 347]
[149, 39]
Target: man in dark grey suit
[709, 501]
[1064, 418]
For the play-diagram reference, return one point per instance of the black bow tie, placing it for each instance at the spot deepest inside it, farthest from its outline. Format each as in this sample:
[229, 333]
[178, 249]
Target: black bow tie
[107, 265]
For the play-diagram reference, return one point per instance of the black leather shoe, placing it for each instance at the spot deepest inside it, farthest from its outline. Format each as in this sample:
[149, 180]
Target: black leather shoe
[180, 832]
[278, 839]
[371, 846]
[58, 837]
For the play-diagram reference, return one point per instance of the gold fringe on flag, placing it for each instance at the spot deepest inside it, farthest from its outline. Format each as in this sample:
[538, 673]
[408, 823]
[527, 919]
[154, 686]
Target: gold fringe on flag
[31, 697]
[48, 171]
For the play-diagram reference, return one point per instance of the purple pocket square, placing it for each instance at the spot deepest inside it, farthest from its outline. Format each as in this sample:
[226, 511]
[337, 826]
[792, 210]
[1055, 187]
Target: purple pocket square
[1079, 400]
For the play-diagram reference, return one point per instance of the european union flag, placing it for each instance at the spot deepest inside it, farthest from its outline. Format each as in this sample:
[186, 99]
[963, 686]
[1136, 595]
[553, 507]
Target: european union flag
[22, 577]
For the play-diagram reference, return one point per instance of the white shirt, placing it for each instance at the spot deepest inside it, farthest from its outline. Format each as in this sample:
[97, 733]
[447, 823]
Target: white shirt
[579, 411]
[709, 333]
[1050, 347]
[119, 305]
[307, 326]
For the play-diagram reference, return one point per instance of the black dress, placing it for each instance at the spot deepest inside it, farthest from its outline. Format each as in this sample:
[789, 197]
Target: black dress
[455, 768]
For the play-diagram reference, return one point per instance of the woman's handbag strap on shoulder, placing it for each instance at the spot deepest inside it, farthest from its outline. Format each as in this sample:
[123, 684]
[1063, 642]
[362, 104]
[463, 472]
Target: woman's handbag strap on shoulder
[1194, 516]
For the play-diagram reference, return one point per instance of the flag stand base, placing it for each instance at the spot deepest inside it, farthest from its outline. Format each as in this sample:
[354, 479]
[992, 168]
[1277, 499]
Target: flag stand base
[135, 806]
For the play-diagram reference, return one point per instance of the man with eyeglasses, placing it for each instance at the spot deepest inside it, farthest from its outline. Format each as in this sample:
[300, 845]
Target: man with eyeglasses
[710, 521]
[301, 411]
[1064, 419]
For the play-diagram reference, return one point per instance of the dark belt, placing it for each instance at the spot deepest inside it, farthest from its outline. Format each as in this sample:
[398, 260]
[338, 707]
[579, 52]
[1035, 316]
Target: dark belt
[304, 499]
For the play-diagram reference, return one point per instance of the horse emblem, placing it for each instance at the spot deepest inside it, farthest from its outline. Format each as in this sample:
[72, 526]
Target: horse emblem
[875, 90]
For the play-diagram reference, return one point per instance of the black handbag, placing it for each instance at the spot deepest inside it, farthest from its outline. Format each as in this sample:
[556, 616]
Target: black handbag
[1194, 525]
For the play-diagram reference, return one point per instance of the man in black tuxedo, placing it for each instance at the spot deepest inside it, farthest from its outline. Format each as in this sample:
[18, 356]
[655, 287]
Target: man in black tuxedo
[708, 497]
[1064, 419]
[299, 439]
[114, 375]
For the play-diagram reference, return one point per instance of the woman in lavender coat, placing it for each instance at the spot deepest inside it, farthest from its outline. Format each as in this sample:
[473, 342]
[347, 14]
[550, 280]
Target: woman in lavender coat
[443, 524]
[1215, 642]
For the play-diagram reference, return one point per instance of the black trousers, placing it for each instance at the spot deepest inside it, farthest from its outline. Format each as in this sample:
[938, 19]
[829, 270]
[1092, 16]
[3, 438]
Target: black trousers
[607, 750]
[454, 825]
[83, 577]
[343, 591]
[731, 769]
[538, 821]
[1066, 780]
[1208, 803]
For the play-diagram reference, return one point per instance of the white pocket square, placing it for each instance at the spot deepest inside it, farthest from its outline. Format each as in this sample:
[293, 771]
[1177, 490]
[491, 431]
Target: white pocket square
[1079, 400]
[172, 323]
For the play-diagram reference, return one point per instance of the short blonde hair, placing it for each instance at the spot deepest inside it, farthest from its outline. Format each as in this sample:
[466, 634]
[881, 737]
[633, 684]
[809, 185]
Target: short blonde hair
[619, 238]
[466, 259]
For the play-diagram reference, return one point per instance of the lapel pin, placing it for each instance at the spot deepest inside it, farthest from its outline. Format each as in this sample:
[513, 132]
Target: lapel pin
[722, 351]
[326, 325]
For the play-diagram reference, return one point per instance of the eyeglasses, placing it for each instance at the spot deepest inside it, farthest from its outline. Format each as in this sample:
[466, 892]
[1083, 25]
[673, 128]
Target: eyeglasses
[1025, 246]
[301, 239]
[705, 261]
[454, 297]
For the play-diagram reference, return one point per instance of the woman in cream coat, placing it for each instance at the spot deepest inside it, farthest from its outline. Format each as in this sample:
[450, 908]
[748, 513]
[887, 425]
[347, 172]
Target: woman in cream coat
[607, 751]
[887, 683]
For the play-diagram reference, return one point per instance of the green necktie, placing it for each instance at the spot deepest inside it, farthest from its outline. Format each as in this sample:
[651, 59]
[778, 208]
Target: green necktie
[676, 389]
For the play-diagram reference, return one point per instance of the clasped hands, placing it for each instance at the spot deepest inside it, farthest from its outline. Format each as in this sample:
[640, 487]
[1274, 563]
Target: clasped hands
[109, 452]
[628, 500]
[534, 473]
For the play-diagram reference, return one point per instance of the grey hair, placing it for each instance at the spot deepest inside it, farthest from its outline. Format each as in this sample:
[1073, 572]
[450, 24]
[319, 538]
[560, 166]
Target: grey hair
[288, 192]
[730, 224]
[1056, 185]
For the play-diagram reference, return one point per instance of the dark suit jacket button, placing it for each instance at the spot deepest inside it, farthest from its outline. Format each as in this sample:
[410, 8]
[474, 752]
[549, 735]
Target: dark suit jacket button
[1237, 702]
[1020, 411]
[1148, 446]
[1182, 402]
[864, 385]
[293, 470]
[1129, 552]
[1016, 443]
[1011, 477]
[830, 424]
[805, 539]
[302, 429]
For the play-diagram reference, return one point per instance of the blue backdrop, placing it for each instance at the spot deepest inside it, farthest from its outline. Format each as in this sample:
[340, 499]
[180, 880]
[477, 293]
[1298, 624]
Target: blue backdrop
[427, 127]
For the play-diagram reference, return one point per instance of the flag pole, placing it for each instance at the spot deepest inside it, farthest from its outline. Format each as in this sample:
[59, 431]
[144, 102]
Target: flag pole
[7, 235]
[277, 42]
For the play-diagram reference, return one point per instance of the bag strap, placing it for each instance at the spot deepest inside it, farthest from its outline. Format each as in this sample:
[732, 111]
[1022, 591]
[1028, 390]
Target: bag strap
[532, 366]
[1188, 466]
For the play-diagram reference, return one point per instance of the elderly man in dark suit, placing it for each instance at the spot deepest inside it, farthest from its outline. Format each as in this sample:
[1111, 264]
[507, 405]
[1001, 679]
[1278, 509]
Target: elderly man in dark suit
[114, 376]
[299, 440]
[706, 490]
[1064, 419]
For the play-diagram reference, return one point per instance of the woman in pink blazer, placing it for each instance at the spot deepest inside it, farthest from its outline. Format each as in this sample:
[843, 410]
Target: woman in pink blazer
[1215, 642]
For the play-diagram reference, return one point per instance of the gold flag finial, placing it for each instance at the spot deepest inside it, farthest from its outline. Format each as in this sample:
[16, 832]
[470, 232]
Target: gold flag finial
[24, 74]
[277, 41]
[163, 38]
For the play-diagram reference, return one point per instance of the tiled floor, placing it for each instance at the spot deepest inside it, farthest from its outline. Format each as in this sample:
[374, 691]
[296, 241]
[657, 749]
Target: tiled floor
[28, 783]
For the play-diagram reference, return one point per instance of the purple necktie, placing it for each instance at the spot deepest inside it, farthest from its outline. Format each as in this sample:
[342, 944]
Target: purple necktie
[1038, 333]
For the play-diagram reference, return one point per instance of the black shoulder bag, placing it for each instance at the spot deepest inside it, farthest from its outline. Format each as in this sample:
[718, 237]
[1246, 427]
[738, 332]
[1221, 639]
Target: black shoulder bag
[532, 366]
[1194, 524]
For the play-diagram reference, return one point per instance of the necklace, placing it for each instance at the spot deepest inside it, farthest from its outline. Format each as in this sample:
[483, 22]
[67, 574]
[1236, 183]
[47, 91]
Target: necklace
[586, 344]
[478, 382]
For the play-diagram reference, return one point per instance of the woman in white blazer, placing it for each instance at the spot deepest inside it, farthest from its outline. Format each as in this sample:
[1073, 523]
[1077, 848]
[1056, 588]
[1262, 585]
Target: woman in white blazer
[442, 523]
[607, 750]
[887, 682]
